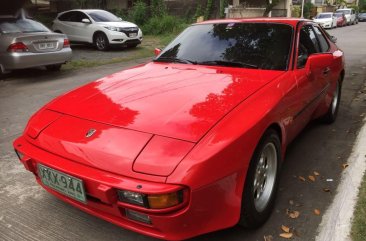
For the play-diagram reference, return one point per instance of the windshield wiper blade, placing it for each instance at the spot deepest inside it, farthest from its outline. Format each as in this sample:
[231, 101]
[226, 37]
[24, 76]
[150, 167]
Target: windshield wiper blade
[229, 63]
[175, 60]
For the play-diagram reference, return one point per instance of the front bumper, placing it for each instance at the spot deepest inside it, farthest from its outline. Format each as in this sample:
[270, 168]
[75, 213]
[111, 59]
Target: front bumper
[23, 60]
[326, 25]
[120, 38]
[204, 210]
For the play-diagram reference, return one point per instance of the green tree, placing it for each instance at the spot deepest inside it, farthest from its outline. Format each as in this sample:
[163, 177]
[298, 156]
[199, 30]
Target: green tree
[208, 10]
[223, 5]
[269, 6]
[139, 13]
[158, 8]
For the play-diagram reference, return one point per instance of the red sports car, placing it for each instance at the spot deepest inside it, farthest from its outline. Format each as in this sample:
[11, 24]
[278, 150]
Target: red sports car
[193, 141]
[341, 19]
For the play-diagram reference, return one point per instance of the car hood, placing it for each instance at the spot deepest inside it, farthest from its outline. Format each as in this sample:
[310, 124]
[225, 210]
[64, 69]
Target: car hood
[172, 100]
[122, 24]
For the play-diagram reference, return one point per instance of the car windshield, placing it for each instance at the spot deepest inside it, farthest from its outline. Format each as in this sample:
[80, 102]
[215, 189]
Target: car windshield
[246, 45]
[21, 26]
[103, 16]
[362, 14]
[328, 15]
[344, 11]
[338, 14]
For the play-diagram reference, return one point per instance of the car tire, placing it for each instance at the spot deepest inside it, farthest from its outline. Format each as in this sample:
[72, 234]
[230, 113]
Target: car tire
[54, 67]
[332, 112]
[261, 181]
[101, 41]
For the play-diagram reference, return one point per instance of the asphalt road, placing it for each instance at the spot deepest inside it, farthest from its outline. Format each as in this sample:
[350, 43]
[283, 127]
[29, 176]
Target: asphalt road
[27, 212]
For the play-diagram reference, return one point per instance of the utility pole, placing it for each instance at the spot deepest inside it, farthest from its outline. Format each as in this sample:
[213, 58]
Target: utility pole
[302, 8]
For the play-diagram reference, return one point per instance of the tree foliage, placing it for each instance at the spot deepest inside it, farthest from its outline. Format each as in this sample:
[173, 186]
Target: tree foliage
[158, 8]
[269, 6]
[208, 10]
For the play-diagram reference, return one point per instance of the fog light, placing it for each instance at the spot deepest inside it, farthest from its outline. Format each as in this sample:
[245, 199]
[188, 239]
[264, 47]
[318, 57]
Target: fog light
[136, 216]
[19, 154]
[159, 201]
[132, 198]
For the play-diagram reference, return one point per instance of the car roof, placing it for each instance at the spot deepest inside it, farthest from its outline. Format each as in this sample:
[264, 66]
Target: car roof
[326, 13]
[83, 10]
[281, 20]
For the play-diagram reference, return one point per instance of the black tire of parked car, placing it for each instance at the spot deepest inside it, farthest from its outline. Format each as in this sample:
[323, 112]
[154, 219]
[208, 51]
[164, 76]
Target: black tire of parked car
[101, 41]
[332, 112]
[251, 217]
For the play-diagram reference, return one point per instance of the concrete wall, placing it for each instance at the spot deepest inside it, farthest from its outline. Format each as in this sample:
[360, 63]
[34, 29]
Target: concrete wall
[241, 12]
[282, 9]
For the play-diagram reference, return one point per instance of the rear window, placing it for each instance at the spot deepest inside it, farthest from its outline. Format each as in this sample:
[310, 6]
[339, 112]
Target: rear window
[21, 26]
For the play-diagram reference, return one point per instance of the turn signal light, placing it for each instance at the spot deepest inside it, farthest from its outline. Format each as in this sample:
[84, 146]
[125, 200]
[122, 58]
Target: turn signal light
[18, 47]
[160, 201]
[66, 43]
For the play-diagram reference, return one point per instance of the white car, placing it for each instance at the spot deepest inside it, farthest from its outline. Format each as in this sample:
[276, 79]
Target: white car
[326, 20]
[350, 15]
[98, 27]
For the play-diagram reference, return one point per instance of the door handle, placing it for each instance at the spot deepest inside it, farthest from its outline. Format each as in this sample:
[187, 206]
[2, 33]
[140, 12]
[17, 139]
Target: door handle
[326, 71]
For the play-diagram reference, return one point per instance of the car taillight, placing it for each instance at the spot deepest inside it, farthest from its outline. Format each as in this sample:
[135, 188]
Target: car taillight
[66, 43]
[18, 47]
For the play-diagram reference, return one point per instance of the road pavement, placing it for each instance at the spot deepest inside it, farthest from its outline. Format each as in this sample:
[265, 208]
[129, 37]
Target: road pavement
[27, 212]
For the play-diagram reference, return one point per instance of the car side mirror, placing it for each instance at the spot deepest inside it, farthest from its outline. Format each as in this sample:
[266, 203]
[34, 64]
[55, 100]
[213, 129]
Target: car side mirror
[318, 61]
[120, 19]
[157, 51]
[333, 39]
[85, 20]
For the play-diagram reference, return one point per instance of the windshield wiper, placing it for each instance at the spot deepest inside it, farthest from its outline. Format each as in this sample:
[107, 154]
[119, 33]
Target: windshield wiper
[229, 64]
[175, 60]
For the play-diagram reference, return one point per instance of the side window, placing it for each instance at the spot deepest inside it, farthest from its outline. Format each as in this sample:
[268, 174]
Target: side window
[66, 16]
[324, 46]
[308, 44]
[78, 16]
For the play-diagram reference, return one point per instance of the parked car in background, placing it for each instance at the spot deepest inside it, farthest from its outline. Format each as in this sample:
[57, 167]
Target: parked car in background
[341, 19]
[98, 27]
[362, 17]
[192, 142]
[350, 14]
[25, 43]
[326, 20]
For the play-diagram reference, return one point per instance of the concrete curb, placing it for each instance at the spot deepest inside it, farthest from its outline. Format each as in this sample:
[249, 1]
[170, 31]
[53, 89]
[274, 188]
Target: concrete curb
[336, 222]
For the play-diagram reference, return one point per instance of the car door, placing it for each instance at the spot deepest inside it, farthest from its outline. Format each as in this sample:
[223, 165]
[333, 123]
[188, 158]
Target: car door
[65, 25]
[80, 31]
[312, 82]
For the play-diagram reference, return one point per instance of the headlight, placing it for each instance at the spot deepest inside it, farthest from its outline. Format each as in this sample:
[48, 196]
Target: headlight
[112, 28]
[151, 201]
[132, 198]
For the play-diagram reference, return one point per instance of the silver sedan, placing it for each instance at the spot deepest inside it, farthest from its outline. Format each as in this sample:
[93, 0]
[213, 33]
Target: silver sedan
[25, 43]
